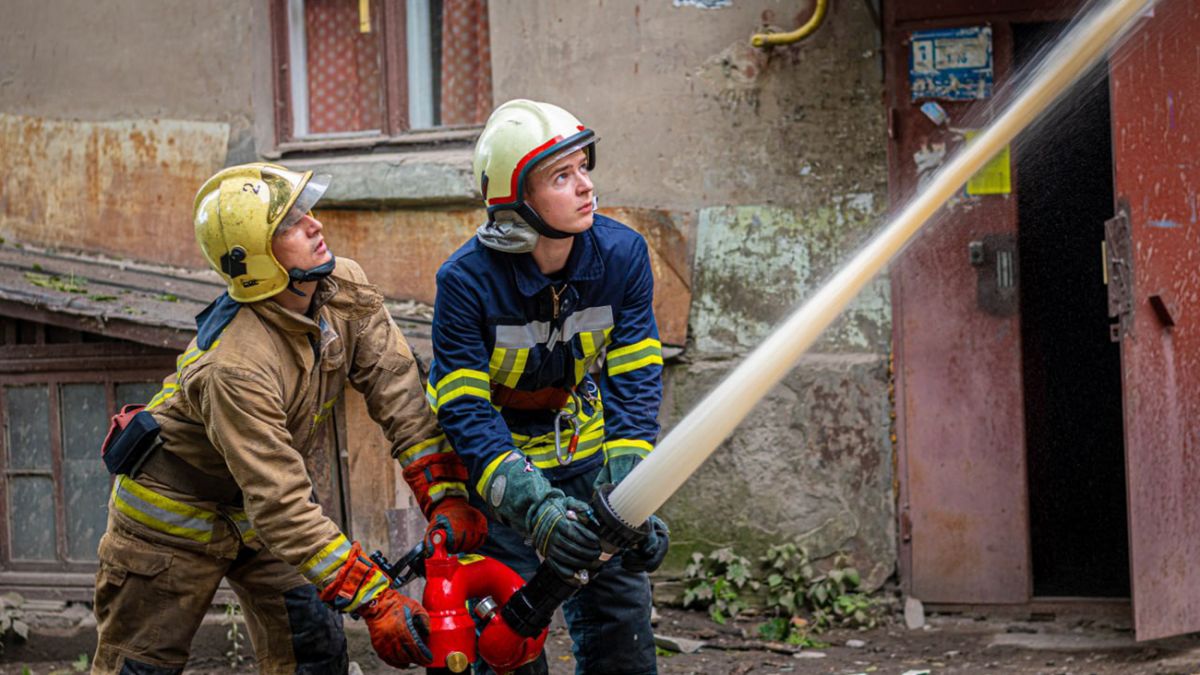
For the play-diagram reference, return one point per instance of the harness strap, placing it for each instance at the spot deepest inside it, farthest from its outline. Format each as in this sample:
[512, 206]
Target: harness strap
[546, 398]
[169, 469]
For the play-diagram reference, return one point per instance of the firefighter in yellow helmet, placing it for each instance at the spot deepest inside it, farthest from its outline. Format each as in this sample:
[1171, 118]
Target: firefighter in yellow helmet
[224, 492]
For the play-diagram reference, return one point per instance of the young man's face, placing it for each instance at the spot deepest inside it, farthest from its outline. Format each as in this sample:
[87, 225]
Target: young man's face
[302, 246]
[561, 193]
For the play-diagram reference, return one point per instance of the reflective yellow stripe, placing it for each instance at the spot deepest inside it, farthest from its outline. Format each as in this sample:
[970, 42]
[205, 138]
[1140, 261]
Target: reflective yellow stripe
[638, 355]
[591, 350]
[325, 411]
[431, 446]
[619, 448]
[374, 585]
[439, 491]
[328, 559]
[242, 521]
[161, 513]
[481, 486]
[584, 450]
[507, 365]
[463, 382]
[183, 361]
[543, 446]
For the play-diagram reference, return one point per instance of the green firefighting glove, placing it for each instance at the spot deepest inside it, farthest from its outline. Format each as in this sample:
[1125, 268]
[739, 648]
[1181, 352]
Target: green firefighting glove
[557, 525]
[615, 470]
[648, 555]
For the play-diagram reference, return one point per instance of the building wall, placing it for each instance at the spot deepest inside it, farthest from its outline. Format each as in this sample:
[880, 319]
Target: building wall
[753, 173]
[773, 164]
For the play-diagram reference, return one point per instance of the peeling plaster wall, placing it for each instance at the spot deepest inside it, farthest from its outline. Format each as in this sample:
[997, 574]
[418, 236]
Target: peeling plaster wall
[689, 114]
[765, 170]
[776, 163]
[112, 114]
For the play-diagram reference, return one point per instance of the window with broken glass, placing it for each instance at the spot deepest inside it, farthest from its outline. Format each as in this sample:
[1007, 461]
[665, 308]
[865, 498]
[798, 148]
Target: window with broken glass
[58, 388]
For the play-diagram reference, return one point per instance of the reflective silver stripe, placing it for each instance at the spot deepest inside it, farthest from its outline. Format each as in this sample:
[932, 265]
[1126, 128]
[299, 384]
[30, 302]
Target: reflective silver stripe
[522, 337]
[323, 565]
[160, 514]
[588, 320]
[538, 332]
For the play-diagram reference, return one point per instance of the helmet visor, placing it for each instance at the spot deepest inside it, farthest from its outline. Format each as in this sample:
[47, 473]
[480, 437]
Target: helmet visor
[580, 141]
[313, 190]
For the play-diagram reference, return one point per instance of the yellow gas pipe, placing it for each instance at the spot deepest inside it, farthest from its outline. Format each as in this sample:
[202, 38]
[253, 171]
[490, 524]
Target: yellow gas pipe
[814, 22]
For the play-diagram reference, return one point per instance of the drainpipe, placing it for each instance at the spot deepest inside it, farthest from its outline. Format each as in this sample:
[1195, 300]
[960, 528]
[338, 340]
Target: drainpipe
[762, 40]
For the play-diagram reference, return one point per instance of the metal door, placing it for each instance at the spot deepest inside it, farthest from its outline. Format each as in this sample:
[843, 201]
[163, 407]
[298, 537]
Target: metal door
[1156, 138]
[959, 409]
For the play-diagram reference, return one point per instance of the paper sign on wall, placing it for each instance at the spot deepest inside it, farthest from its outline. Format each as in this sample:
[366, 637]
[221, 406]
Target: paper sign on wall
[951, 63]
[995, 178]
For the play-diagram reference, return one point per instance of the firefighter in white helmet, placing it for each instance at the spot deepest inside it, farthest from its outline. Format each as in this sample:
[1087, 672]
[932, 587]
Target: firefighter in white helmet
[225, 492]
[547, 372]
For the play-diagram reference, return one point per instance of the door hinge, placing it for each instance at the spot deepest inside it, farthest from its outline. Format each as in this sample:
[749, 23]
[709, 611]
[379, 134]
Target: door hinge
[1118, 247]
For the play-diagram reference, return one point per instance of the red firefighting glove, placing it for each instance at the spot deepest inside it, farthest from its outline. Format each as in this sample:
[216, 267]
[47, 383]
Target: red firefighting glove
[444, 475]
[398, 625]
[464, 526]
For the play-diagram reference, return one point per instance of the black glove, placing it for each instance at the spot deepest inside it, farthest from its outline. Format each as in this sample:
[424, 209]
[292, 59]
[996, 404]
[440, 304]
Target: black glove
[561, 534]
[648, 555]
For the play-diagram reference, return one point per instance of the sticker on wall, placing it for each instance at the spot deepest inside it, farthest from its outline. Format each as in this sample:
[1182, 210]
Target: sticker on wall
[995, 178]
[935, 113]
[951, 63]
[704, 4]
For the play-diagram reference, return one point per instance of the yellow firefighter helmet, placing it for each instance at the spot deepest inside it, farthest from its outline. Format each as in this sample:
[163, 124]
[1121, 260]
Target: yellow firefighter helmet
[239, 210]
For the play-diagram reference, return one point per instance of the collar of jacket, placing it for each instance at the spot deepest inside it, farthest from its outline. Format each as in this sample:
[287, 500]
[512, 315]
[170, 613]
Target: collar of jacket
[584, 264]
[285, 319]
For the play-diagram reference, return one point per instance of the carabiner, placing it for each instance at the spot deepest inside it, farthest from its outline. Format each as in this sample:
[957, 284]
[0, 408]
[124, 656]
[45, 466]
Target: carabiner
[574, 442]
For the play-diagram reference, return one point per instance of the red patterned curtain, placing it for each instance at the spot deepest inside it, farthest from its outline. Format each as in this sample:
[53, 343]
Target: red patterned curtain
[466, 63]
[345, 89]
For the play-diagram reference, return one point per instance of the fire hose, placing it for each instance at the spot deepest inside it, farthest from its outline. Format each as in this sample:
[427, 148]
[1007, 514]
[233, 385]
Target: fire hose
[518, 616]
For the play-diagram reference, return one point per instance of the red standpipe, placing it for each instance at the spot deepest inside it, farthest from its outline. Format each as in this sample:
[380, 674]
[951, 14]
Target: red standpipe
[450, 581]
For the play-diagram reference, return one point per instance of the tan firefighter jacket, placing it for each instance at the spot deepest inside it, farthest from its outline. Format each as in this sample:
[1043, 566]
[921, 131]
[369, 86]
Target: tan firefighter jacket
[246, 405]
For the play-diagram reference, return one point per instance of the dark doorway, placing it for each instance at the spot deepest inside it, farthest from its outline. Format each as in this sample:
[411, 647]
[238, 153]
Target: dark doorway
[1073, 413]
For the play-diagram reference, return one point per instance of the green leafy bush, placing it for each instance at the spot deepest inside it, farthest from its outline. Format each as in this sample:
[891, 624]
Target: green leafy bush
[800, 599]
[715, 581]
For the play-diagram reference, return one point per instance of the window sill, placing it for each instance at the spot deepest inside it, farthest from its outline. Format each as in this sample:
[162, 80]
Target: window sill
[423, 168]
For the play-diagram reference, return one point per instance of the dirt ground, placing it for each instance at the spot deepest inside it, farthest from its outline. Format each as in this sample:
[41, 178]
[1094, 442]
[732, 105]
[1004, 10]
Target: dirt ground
[949, 643]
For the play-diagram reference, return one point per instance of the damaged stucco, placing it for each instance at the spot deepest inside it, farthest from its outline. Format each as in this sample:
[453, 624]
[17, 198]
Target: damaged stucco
[811, 464]
[122, 188]
[756, 264]
[753, 173]
[775, 161]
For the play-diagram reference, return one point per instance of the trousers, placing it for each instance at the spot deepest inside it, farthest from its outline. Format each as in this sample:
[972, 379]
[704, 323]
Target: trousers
[609, 618]
[153, 590]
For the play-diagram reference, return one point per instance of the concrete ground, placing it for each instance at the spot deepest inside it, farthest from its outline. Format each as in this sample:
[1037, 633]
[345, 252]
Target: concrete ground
[947, 643]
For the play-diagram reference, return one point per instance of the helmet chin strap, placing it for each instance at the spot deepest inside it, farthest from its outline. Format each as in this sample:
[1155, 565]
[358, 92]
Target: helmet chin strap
[297, 275]
[542, 227]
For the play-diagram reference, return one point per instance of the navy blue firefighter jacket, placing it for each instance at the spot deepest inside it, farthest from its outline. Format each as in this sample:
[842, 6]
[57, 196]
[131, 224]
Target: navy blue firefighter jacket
[499, 321]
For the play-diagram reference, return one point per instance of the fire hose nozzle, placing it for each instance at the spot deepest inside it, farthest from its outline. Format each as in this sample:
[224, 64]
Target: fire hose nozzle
[615, 534]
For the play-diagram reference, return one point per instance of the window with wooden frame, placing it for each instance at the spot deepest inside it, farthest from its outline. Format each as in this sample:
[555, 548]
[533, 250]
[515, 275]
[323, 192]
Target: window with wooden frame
[58, 388]
[363, 72]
